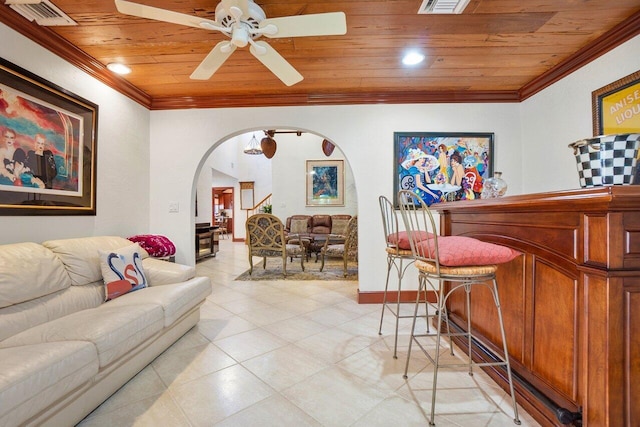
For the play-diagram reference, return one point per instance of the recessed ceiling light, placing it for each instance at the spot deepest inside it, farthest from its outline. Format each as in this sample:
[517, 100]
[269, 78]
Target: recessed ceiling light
[118, 68]
[412, 58]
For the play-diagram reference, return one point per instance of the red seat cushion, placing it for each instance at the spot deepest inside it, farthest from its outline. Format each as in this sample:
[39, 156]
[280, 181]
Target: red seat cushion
[455, 251]
[401, 239]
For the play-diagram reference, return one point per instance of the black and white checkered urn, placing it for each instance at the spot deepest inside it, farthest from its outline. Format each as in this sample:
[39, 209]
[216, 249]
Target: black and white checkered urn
[607, 159]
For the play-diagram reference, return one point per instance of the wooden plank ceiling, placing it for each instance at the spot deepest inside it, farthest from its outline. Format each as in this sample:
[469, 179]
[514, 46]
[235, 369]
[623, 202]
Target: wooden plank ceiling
[497, 50]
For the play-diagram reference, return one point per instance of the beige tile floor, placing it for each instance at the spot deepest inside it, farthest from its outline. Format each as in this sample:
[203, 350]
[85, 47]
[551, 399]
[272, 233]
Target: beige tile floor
[284, 353]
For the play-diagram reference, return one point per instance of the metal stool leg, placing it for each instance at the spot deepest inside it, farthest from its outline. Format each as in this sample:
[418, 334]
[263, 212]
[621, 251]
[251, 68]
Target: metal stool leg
[395, 342]
[384, 296]
[436, 359]
[421, 287]
[496, 299]
[467, 291]
[398, 263]
[442, 316]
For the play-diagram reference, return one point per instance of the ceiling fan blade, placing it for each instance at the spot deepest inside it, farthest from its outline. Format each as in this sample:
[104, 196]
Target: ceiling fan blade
[150, 12]
[320, 24]
[276, 63]
[213, 61]
[243, 5]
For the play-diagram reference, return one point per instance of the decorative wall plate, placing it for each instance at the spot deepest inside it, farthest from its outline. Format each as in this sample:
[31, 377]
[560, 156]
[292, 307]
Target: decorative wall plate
[327, 147]
[268, 146]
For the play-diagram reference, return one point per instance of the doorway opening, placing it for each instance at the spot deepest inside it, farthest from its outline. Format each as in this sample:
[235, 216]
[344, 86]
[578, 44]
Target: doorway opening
[223, 210]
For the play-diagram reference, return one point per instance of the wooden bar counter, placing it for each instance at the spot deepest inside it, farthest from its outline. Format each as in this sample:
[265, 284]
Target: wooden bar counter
[571, 303]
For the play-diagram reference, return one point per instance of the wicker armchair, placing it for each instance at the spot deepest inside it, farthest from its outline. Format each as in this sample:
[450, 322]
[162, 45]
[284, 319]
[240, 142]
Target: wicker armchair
[347, 250]
[265, 233]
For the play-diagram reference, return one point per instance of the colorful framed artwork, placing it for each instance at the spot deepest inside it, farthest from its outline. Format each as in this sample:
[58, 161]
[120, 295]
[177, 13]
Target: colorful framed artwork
[325, 182]
[442, 166]
[616, 106]
[47, 147]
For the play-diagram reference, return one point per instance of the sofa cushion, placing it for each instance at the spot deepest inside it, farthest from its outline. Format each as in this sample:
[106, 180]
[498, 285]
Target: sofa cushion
[339, 224]
[34, 376]
[307, 218]
[298, 226]
[20, 317]
[122, 271]
[28, 271]
[175, 300]
[161, 272]
[80, 256]
[115, 330]
[321, 224]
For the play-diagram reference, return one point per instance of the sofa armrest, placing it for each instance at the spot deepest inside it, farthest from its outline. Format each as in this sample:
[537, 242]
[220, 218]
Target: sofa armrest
[160, 272]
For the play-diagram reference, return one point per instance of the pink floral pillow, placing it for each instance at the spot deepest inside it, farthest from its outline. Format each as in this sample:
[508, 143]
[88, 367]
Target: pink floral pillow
[156, 245]
[455, 251]
[401, 239]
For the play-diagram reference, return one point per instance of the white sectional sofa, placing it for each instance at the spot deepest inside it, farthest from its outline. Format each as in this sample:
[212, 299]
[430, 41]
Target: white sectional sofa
[63, 350]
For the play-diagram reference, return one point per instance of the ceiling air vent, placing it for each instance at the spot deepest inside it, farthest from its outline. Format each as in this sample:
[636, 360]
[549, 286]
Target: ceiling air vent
[442, 6]
[43, 12]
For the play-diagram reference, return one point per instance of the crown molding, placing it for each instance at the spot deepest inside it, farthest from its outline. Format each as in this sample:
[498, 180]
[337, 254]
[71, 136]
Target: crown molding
[614, 38]
[404, 97]
[70, 53]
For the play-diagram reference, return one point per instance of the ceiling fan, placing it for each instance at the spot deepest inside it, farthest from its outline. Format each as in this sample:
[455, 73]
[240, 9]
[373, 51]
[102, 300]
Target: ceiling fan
[243, 21]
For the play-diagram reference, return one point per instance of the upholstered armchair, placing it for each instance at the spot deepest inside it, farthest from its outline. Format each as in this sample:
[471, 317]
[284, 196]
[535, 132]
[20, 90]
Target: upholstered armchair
[265, 233]
[347, 250]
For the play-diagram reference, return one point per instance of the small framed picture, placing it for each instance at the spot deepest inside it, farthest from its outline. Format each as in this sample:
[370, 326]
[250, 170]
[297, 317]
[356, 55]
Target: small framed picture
[616, 106]
[325, 182]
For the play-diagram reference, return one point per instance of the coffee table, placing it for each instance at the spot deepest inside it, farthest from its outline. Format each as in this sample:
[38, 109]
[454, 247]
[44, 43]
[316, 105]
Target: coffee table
[319, 241]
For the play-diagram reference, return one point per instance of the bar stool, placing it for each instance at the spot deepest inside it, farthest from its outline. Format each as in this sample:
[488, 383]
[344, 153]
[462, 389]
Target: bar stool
[396, 257]
[432, 276]
[222, 227]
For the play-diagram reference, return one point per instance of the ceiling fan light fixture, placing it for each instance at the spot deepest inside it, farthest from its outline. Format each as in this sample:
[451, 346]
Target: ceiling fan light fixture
[253, 147]
[412, 58]
[118, 68]
[240, 37]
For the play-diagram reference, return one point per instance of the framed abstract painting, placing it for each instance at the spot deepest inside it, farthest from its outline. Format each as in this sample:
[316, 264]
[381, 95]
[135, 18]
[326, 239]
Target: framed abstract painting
[325, 182]
[47, 147]
[442, 166]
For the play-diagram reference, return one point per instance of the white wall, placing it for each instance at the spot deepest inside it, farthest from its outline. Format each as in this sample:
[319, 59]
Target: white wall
[226, 166]
[205, 208]
[289, 177]
[123, 178]
[562, 114]
[367, 144]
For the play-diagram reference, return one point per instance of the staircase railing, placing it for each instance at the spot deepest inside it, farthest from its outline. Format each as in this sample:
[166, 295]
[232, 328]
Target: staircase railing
[259, 207]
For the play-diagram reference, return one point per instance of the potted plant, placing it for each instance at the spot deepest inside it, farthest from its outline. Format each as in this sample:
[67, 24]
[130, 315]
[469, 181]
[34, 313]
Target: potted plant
[267, 209]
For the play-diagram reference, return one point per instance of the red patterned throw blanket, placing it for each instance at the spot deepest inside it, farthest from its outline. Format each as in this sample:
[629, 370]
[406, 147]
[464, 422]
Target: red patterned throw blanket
[157, 246]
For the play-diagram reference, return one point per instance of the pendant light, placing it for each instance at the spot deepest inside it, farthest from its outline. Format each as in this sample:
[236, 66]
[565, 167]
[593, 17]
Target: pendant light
[253, 147]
